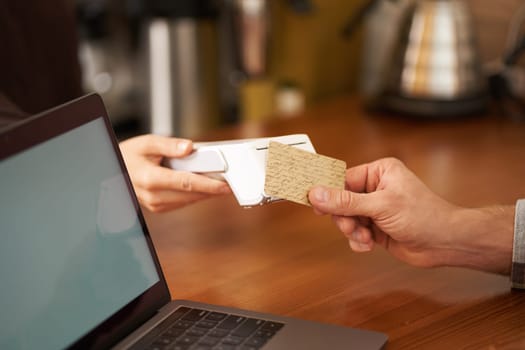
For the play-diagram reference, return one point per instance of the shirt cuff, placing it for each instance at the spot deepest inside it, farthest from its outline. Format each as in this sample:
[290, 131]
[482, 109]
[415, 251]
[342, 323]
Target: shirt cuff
[517, 274]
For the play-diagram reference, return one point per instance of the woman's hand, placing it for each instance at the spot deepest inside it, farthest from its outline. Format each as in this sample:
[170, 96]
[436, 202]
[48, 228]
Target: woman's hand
[159, 188]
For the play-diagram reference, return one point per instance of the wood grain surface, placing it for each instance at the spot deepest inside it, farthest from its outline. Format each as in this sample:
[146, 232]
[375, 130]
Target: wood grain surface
[282, 258]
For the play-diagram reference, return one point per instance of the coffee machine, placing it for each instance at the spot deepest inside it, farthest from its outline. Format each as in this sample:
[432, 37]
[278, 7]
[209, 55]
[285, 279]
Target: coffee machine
[180, 64]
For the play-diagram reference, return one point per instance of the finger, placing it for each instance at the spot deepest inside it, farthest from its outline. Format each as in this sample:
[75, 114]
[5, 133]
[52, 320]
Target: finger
[161, 178]
[366, 178]
[382, 239]
[162, 146]
[161, 201]
[318, 212]
[363, 178]
[340, 202]
[362, 234]
[356, 178]
[345, 224]
[360, 247]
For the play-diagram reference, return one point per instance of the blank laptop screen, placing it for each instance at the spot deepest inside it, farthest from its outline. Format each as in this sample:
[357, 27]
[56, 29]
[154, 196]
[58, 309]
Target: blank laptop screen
[73, 251]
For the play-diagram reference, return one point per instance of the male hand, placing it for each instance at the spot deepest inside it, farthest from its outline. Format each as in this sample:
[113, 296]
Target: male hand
[385, 203]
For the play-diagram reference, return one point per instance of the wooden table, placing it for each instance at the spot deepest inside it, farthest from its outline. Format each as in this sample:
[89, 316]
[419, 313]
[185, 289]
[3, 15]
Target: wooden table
[283, 259]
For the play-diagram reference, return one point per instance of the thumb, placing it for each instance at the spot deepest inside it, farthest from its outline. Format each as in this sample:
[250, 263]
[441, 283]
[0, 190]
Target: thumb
[157, 145]
[341, 202]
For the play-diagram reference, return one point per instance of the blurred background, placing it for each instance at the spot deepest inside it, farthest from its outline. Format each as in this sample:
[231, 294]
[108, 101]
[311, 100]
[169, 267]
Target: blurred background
[180, 68]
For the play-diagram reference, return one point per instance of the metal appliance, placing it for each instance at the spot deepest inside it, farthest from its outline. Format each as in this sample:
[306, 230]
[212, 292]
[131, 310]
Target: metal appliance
[421, 58]
[182, 70]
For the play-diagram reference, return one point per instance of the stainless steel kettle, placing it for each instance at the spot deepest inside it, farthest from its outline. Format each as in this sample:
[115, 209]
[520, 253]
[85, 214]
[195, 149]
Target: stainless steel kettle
[420, 58]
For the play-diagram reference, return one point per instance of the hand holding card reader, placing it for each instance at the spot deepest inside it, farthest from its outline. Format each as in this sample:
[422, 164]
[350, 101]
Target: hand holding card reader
[239, 162]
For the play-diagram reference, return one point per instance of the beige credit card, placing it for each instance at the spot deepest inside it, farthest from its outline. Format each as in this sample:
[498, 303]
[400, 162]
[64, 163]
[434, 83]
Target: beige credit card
[292, 172]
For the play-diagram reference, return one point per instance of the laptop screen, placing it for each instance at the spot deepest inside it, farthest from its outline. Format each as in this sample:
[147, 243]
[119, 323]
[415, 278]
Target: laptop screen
[73, 249]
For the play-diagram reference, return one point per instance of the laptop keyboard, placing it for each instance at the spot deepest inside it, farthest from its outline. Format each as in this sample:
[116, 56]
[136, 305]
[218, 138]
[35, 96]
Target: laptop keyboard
[196, 329]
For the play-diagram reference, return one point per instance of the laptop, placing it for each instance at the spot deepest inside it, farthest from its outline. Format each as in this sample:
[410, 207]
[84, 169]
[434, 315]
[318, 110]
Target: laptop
[78, 267]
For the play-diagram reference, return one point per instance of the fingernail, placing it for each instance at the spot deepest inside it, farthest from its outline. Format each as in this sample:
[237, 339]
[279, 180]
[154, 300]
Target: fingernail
[182, 145]
[320, 194]
[364, 247]
[226, 189]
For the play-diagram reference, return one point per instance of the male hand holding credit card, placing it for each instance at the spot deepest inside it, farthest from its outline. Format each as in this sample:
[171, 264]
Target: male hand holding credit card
[292, 172]
[264, 170]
